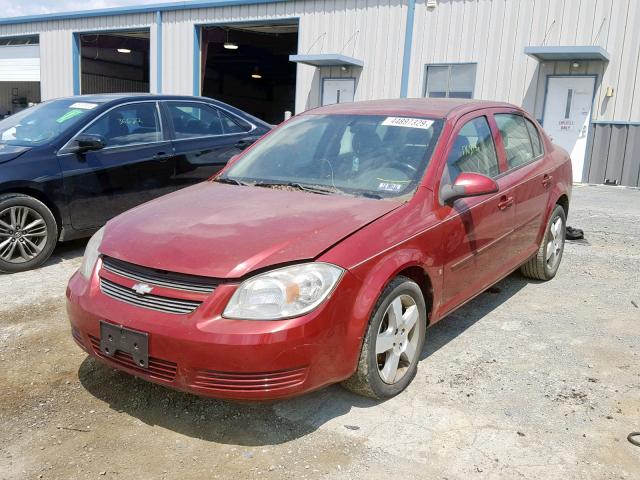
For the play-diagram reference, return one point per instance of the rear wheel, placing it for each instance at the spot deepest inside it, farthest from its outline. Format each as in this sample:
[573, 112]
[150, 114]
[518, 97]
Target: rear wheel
[28, 233]
[544, 264]
[393, 342]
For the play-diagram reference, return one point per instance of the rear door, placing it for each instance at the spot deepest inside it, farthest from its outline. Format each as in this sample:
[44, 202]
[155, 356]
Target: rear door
[476, 230]
[204, 139]
[135, 166]
[532, 180]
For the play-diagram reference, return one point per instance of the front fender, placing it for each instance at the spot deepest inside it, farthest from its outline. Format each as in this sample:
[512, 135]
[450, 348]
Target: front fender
[376, 273]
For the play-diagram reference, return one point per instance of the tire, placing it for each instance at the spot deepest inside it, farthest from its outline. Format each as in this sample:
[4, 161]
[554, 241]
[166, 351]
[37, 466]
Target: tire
[21, 248]
[544, 264]
[369, 379]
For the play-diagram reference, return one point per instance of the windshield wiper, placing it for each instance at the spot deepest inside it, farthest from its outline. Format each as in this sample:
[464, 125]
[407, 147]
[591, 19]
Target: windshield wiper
[371, 195]
[321, 190]
[232, 181]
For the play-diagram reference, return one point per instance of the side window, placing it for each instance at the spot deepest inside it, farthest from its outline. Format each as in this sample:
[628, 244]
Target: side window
[233, 124]
[515, 137]
[129, 124]
[472, 151]
[194, 120]
[535, 138]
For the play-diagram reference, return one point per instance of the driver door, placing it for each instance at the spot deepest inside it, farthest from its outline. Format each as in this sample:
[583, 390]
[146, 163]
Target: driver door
[136, 165]
[477, 230]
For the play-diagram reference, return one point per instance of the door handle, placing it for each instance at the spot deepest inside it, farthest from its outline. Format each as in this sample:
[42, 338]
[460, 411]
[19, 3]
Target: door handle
[505, 202]
[242, 144]
[162, 156]
[546, 180]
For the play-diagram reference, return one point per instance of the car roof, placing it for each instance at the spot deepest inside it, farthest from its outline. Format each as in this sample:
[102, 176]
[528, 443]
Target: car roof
[115, 97]
[420, 107]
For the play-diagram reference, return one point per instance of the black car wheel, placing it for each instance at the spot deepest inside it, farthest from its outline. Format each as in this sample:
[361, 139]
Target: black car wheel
[28, 233]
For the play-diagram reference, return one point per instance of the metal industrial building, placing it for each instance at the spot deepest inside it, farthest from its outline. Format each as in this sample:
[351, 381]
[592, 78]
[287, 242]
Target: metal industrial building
[572, 63]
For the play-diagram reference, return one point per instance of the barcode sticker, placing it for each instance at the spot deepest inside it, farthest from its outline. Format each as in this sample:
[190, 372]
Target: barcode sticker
[422, 123]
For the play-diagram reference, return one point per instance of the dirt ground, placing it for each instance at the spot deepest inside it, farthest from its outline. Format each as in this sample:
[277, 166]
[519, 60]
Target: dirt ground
[530, 380]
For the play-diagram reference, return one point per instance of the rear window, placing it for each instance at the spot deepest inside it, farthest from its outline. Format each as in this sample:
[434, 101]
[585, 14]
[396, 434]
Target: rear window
[535, 138]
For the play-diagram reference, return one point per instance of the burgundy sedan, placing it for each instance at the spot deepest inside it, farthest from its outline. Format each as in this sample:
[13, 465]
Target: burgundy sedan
[322, 253]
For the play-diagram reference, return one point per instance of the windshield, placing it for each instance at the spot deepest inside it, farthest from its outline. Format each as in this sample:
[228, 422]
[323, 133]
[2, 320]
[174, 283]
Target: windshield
[41, 124]
[364, 155]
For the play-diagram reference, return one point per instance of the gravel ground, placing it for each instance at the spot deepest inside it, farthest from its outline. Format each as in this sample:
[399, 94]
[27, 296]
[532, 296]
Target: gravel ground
[530, 380]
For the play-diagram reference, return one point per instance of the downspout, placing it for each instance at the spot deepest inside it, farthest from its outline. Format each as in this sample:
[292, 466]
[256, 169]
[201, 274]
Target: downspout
[158, 51]
[408, 41]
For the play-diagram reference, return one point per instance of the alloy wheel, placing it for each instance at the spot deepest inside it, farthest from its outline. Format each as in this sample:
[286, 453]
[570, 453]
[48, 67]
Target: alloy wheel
[555, 242]
[398, 338]
[23, 234]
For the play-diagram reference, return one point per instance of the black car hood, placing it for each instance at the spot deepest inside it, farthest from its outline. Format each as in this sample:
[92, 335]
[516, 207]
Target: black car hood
[10, 152]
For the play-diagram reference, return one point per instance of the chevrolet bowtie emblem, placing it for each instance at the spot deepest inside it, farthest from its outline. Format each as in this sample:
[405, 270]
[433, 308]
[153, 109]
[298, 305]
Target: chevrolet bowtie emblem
[142, 288]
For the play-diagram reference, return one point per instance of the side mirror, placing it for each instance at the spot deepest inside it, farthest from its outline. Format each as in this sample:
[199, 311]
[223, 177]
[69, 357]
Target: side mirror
[89, 142]
[468, 184]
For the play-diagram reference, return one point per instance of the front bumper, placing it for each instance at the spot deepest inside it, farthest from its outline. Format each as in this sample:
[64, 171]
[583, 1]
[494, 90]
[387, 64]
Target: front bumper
[208, 355]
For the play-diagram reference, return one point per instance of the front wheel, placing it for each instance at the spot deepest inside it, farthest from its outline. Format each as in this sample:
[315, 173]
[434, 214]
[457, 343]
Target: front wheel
[28, 233]
[393, 342]
[544, 264]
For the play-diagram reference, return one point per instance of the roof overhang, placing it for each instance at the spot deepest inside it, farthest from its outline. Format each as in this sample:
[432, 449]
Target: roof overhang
[327, 60]
[568, 53]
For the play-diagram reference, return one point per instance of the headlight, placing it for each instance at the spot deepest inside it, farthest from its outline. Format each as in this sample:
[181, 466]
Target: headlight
[283, 293]
[91, 254]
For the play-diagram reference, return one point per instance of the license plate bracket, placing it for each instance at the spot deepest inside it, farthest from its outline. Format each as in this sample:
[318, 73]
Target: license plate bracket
[116, 338]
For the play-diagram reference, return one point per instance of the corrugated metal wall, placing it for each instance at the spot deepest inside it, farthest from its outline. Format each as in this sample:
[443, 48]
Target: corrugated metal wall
[56, 46]
[371, 30]
[494, 33]
[613, 155]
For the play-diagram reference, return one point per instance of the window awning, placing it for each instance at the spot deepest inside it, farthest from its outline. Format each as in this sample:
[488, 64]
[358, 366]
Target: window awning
[327, 60]
[568, 53]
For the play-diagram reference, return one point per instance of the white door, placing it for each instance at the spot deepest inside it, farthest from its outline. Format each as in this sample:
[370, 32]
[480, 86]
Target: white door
[567, 113]
[20, 63]
[338, 90]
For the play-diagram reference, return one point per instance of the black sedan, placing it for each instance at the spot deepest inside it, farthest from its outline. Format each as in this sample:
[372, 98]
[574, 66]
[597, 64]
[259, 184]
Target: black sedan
[69, 165]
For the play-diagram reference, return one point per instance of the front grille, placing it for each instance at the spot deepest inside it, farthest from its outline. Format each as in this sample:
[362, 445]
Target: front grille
[249, 382]
[152, 302]
[161, 278]
[158, 368]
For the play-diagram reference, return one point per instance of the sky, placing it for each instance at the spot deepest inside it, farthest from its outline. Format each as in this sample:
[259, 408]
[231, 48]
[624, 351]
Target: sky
[11, 8]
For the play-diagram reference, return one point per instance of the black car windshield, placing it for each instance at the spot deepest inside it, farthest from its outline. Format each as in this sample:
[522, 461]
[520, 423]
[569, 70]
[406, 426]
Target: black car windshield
[42, 123]
[364, 155]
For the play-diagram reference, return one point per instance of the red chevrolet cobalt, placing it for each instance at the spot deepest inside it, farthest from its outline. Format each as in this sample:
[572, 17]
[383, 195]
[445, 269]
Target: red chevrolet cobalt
[323, 252]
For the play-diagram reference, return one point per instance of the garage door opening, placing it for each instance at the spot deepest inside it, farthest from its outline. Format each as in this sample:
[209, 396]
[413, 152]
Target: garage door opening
[248, 66]
[114, 62]
[19, 73]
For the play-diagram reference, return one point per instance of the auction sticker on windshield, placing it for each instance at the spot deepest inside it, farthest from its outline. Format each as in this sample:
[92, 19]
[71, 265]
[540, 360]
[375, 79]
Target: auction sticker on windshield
[84, 105]
[408, 122]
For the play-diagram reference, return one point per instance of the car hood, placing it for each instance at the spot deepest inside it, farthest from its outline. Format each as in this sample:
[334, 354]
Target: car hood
[227, 231]
[11, 152]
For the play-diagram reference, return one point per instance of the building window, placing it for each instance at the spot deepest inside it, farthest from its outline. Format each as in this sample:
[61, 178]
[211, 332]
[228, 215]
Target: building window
[450, 80]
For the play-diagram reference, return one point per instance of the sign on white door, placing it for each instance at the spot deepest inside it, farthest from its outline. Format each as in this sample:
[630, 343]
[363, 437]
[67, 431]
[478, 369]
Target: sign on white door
[567, 113]
[338, 90]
